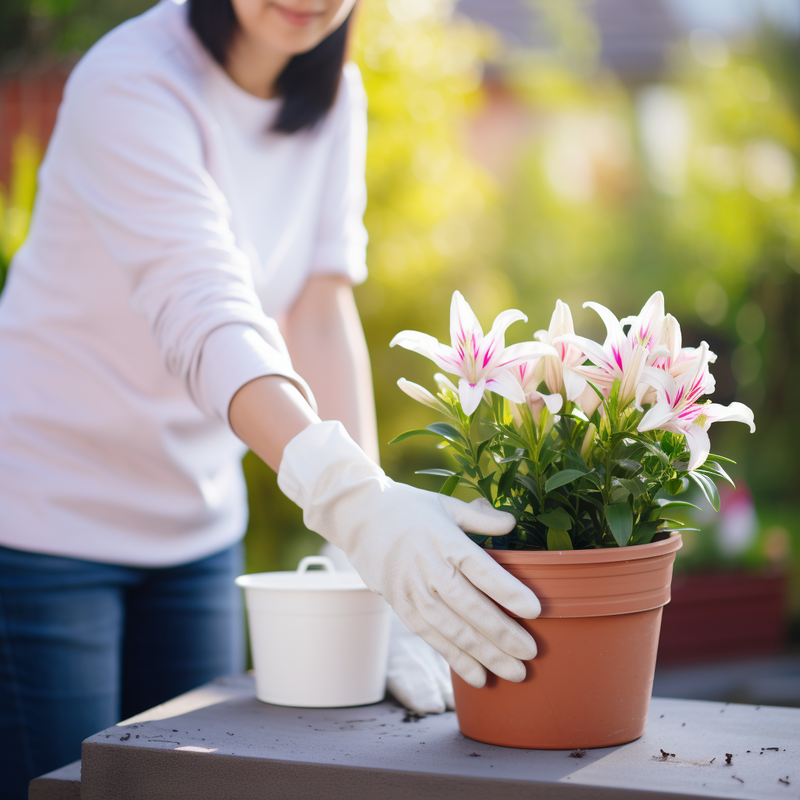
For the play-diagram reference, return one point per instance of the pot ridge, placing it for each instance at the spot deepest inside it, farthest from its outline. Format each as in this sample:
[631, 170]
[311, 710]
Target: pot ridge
[595, 583]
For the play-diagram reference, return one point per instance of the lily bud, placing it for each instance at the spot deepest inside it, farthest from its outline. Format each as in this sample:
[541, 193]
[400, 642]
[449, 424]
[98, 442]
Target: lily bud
[588, 442]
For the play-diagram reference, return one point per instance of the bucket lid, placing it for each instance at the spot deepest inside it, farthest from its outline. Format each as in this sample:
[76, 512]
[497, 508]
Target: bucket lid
[303, 579]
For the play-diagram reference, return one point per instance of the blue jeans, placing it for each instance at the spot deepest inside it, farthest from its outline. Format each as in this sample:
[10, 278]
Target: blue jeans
[84, 645]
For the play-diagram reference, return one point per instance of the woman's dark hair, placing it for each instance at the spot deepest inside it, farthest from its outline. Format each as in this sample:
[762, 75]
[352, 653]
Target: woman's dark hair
[308, 83]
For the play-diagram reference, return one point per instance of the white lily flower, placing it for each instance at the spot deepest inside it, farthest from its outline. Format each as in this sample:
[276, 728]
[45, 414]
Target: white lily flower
[421, 395]
[623, 357]
[676, 408]
[558, 372]
[483, 363]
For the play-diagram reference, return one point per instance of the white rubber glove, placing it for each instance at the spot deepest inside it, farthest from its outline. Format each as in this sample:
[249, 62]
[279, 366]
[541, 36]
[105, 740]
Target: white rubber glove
[408, 545]
[418, 677]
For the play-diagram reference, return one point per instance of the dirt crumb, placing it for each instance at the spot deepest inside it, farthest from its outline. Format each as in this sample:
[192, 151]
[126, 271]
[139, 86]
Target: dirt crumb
[412, 716]
[577, 754]
[729, 758]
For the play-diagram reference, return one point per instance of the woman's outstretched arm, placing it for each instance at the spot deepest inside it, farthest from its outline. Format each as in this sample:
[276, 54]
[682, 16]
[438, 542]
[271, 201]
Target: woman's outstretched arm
[326, 342]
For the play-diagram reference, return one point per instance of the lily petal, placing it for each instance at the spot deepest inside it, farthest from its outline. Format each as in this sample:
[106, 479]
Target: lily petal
[505, 383]
[421, 395]
[699, 445]
[442, 355]
[613, 328]
[470, 394]
[735, 412]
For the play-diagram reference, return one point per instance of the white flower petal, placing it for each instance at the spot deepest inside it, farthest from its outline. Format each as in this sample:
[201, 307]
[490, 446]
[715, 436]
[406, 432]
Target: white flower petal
[735, 412]
[420, 394]
[470, 394]
[574, 384]
[699, 445]
[554, 402]
[465, 330]
[613, 328]
[657, 417]
[505, 383]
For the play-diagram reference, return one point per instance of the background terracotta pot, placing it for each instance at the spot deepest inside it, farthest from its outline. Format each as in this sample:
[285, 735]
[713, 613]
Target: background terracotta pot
[591, 682]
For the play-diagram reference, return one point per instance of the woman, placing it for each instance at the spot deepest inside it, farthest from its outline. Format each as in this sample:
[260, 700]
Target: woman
[186, 283]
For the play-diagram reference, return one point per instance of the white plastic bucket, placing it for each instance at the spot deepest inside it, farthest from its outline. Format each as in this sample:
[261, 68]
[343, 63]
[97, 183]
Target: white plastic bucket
[319, 638]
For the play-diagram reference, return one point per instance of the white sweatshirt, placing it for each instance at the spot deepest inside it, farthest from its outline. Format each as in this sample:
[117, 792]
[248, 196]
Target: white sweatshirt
[171, 230]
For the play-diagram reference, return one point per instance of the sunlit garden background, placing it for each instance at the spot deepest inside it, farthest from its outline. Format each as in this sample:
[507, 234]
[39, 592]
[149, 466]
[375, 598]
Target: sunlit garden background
[523, 152]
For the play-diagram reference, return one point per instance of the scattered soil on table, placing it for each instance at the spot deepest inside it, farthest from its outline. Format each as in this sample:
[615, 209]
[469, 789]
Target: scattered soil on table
[728, 759]
[474, 755]
[412, 716]
[737, 779]
[577, 754]
[125, 737]
[665, 754]
[782, 780]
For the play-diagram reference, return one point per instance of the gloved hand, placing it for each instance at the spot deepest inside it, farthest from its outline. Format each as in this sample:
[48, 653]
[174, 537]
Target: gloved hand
[408, 545]
[418, 677]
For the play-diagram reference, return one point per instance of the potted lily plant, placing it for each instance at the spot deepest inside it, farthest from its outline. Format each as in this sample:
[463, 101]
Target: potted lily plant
[589, 446]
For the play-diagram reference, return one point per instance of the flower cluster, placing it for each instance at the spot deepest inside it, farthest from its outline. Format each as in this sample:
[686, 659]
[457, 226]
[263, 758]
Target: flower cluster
[585, 443]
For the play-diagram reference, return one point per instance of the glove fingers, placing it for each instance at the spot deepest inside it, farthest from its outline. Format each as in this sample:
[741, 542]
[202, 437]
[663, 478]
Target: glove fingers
[495, 582]
[479, 516]
[469, 668]
[415, 689]
[487, 619]
[445, 682]
[458, 630]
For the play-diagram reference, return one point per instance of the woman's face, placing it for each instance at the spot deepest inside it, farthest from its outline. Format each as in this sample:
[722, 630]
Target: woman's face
[290, 27]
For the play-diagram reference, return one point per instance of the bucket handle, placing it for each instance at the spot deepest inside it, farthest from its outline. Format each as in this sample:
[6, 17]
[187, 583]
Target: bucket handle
[316, 561]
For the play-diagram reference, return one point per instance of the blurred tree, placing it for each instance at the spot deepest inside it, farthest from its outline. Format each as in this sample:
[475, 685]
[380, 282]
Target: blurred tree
[689, 187]
[32, 28]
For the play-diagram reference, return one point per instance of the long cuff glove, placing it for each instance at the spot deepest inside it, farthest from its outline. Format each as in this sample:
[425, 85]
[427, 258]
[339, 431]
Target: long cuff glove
[409, 546]
[417, 676]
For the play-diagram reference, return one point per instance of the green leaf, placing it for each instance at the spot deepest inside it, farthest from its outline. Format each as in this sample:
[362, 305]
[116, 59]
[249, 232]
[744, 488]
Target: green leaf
[707, 486]
[409, 434]
[558, 540]
[449, 486]
[713, 469]
[507, 480]
[636, 488]
[529, 483]
[595, 478]
[557, 518]
[445, 472]
[482, 446]
[447, 431]
[620, 519]
[720, 459]
[630, 464]
[644, 532]
[468, 468]
[663, 502]
[486, 486]
[674, 486]
[561, 479]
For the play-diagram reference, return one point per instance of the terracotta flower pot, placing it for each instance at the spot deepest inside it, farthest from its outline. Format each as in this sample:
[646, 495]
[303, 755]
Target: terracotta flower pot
[591, 682]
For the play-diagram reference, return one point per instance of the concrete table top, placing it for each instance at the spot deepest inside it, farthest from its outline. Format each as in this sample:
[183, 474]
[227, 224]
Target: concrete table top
[221, 742]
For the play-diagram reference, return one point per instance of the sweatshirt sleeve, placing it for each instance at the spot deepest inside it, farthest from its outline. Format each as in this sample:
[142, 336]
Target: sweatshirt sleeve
[136, 161]
[342, 238]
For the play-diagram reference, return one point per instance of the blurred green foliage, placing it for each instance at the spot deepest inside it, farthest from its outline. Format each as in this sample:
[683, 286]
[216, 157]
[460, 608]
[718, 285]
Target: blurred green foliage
[16, 205]
[32, 28]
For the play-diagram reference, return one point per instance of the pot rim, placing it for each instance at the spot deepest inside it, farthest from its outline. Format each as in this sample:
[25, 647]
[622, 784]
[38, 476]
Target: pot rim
[600, 555]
